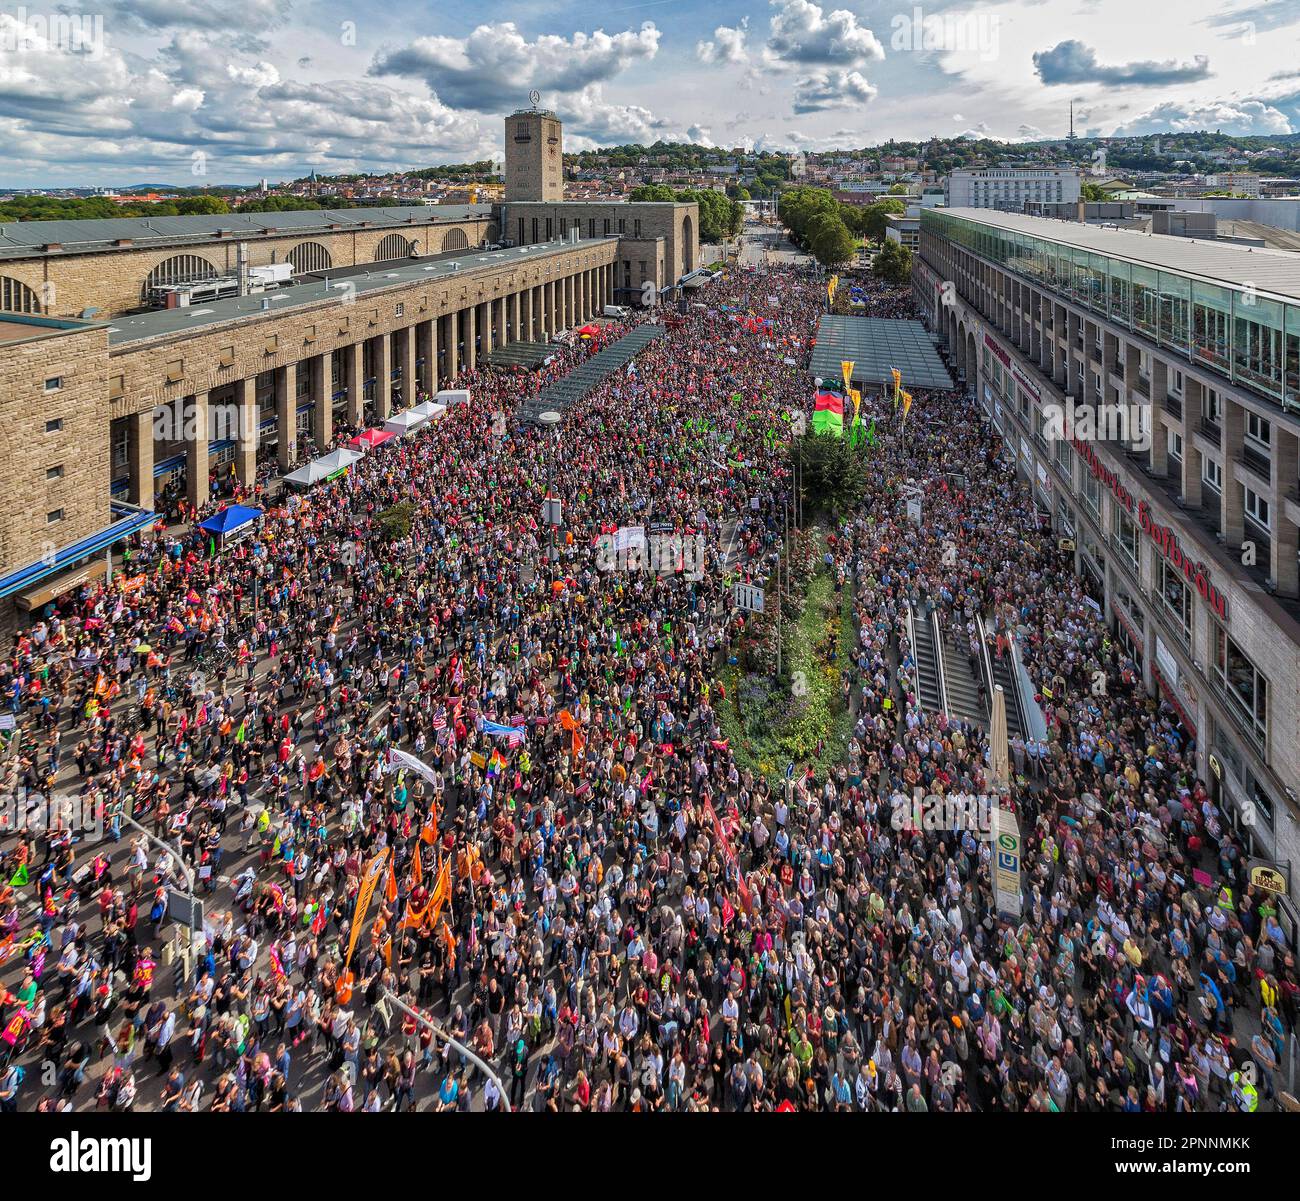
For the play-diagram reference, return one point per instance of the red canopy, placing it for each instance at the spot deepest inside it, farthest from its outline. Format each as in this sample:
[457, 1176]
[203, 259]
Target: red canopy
[589, 329]
[369, 439]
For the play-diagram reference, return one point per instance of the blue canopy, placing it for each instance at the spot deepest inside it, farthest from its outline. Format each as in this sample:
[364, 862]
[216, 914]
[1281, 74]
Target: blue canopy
[230, 519]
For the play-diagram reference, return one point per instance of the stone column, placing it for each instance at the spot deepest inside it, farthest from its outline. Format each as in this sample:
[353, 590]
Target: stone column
[248, 418]
[383, 353]
[516, 322]
[322, 398]
[427, 346]
[286, 415]
[197, 487]
[139, 451]
[354, 361]
[409, 382]
[471, 330]
[453, 345]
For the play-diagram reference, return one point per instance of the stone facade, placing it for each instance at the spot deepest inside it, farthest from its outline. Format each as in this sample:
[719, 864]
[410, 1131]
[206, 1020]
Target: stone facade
[114, 280]
[53, 443]
[637, 224]
[534, 156]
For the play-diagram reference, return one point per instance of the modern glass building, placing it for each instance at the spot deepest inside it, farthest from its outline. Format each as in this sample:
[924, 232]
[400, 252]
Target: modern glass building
[1178, 497]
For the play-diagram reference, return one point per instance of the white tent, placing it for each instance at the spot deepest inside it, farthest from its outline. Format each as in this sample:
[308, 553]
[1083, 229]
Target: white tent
[324, 467]
[431, 410]
[453, 396]
[405, 422]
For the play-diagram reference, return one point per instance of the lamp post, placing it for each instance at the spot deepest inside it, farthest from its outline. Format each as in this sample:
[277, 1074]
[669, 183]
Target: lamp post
[189, 877]
[550, 506]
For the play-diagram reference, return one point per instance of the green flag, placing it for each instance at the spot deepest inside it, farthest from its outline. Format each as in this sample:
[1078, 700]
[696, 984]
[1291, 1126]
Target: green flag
[20, 877]
[827, 421]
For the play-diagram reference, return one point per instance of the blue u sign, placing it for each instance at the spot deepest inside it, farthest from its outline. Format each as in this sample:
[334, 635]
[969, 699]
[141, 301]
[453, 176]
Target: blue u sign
[1008, 862]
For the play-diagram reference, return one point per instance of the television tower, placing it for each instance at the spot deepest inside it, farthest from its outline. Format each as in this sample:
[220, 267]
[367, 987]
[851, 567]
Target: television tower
[1071, 135]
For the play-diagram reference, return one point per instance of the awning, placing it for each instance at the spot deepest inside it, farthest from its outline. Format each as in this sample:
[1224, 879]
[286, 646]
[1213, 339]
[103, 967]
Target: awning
[324, 468]
[431, 410]
[451, 397]
[369, 439]
[406, 422]
[231, 519]
[54, 587]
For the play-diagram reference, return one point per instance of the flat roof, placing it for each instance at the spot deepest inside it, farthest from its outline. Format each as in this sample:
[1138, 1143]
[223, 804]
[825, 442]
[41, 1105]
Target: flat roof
[1264, 269]
[24, 239]
[876, 345]
[166, 322]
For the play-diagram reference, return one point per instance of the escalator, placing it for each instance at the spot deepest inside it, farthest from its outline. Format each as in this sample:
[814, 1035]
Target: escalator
[929, 684]
[965, 701]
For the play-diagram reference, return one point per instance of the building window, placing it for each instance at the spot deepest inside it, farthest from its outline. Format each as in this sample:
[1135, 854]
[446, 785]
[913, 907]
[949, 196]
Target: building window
[1245, 690]
[1092, 493]
[54, 473]
[1175, 446]
[636, 227]
[54, 383]
[1211, 406]
[1211, 473]
[1257, 509]
[53, 516]
[591, 227]
[521, 231]
[1177, 598]
[1258, 430]
[401, 310]
[1125, 535]
[1175, 382]
[53, 427]
[121, 446]
[607, 227]
[550, 229]
[534, 229]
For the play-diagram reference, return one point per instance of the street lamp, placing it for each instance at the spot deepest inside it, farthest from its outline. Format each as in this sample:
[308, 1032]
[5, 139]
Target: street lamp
[551, 506]
[195, 930]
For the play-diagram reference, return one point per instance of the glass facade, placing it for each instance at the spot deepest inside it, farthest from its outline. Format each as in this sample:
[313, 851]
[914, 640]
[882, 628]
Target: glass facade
[1245, 337]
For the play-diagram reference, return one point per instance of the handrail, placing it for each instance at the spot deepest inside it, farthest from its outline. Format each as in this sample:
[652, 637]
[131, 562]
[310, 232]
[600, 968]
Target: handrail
[936, 632]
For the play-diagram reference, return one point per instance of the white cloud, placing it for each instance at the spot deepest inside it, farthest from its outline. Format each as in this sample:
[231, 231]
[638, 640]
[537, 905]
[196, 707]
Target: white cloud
[803, 34]
[832, 89]
[727, 46]
[1242, 117]
[487, 70]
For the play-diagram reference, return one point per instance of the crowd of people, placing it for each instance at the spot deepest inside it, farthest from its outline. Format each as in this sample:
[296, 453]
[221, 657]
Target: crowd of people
[520, 750]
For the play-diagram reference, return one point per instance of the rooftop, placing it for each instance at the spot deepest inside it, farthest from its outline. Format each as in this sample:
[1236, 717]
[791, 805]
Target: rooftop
[24, 239]
[1260, 268]
[876, 345]
[167, 322]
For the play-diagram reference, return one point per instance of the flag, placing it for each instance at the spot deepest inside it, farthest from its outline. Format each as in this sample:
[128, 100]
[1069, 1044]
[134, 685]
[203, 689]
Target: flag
[513, 735]
[871, 433]
[831, 285]
[846, 367]
[907, 403]
[828, 413]
[429, 833]
[417, 870]
[390, 885]
[20, 877]
[898, 382]
[441, 891]
[369, 879]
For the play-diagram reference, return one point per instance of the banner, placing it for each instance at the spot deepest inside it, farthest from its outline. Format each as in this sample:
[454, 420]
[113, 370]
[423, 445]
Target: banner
[369, 879]
[846, 369]
[398, 759]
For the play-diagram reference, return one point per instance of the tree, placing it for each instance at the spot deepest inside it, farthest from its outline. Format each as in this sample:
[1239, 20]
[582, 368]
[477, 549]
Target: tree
[834, 472]
[739, 192]
[899, 189]
[894, 263]
[719, 217]
[653, 191]
[395, 522]
[875, 217]
[831, 242]
[278, 204]
[190, 206]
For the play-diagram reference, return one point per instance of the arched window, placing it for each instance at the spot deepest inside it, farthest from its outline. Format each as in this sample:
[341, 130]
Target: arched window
[179, 269]
[17, 297]
[394, 246]
[455, 239]
[309, 256]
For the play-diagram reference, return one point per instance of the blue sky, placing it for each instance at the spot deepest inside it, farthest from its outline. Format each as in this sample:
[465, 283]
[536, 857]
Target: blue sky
[120, 91]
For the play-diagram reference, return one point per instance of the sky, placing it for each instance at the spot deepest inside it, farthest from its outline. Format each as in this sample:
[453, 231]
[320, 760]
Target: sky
[231, 91]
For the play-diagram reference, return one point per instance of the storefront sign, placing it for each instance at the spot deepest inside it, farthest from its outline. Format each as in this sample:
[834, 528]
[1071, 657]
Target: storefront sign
[1197, 573]
[1270, 879]
[998, 353]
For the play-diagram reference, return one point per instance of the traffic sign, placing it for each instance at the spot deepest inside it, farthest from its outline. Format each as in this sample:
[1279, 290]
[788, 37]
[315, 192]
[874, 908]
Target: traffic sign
[749, 597]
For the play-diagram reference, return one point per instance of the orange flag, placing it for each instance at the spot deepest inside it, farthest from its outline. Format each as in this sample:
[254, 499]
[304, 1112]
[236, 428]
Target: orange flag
[417, 871]
[390, 885]
[441, 890]
[429, 833]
